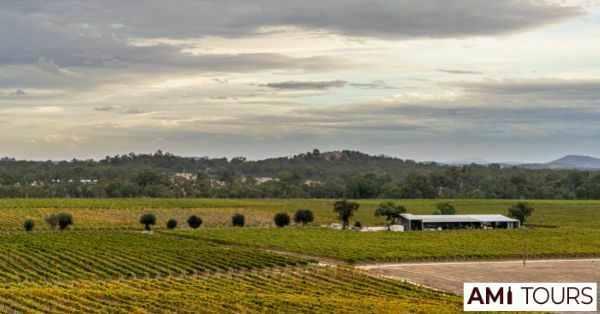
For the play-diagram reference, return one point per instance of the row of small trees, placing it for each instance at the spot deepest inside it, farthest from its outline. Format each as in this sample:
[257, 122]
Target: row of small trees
[344, 208]
[60, 220]
[149, 220]
[302, 216]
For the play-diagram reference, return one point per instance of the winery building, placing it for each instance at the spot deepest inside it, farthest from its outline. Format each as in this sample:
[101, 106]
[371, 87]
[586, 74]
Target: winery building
[446, 222]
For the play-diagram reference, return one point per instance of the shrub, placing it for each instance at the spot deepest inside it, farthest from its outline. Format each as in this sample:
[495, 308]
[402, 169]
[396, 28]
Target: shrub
[52, 221]
[148, 220]
[445, 208]
[171, 224]
[282, 220]
[304, 216]
[64, 220]
[358, 224]
[238, 220]
[28, 225]
[194, 222]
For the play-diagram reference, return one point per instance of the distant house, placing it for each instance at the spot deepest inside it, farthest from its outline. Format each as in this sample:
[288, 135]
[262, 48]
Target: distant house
[444, 222]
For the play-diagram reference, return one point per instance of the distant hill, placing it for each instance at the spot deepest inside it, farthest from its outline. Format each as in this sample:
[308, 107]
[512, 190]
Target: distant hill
[567, 162]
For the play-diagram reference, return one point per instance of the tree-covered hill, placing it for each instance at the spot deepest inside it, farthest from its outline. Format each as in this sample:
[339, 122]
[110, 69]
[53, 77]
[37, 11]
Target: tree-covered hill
[313, 174]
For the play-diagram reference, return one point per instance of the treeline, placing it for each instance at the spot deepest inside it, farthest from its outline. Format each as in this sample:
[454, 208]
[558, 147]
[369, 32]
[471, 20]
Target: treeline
[344, 174]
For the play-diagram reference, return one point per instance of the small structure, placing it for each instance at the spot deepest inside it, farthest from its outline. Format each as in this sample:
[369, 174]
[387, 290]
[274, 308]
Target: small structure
[445, 222]
[336, 226]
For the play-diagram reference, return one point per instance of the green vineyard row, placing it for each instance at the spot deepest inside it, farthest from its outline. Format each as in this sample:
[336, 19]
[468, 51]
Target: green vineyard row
[58, 256]
[309, 289]
[355, 246]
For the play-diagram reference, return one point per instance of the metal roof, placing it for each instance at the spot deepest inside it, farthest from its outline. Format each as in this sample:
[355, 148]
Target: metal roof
[459, 218]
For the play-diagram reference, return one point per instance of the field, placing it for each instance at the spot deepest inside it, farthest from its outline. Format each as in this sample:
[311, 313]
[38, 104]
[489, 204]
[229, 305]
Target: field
[68, 255]
[125, 213]
[451, 276]
[413, 246]
[309, 290]
[104, 263]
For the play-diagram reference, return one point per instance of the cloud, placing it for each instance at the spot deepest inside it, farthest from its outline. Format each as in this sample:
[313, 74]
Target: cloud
[307, 85]
[383, 18]
[378, 84]
[108, 108]
[47, 110]
[17, 93]
[540, 88]
[450, 71]
[119, 109]
[48, 66]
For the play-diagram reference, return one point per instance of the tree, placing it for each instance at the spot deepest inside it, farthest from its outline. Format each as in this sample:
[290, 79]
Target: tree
[171, 224]
[281, 220]
[238, 220]
[390, 211]
[304, 216]
[64, 220]
[28, 225]
[520, 211]
[345, 211]
[445, 208]
[148, 220]
[194, 222]
[52, 221]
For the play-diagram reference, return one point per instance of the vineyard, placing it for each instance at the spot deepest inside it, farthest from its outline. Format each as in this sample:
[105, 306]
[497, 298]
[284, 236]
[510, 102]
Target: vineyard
[118, 214]
[56, 256]
[104, 263]
[354, 246]
[307, 289]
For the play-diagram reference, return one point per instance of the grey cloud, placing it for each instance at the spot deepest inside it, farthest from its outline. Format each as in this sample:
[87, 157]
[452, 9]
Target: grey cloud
[119, 109]
[108, 108]
[379, 84]
[307, 85]
[17, 93]
[48, 66]
[454, 71]
[384, 18]
[542, 89]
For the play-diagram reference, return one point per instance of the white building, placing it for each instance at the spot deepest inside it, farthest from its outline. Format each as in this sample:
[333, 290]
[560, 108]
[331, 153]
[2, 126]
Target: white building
[444, 222]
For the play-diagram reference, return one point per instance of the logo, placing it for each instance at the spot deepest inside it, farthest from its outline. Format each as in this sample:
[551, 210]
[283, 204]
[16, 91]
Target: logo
[564, 297]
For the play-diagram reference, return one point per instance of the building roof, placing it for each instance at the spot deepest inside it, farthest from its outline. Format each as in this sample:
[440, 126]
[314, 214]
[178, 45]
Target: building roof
[459, 218]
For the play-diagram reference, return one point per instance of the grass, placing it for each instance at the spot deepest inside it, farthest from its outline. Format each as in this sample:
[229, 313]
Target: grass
[125, 213]
[300, 290]
[354, 246]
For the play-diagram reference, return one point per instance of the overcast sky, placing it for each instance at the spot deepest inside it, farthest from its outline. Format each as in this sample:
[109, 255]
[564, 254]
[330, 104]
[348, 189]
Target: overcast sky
[427, 80]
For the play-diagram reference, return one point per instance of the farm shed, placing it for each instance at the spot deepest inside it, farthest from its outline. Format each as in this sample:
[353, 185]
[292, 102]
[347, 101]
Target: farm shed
[443, 222]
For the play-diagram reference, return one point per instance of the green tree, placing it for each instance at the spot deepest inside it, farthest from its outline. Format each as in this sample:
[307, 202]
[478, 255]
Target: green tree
[64, 220]
[345, 211]
[28, 225]
[281, 220]
[194, 222]
[238, 220]
[390, 211]
[171, 224]
[52, 221]
[304, 216]
[521, 211]
[148, 220]
[445, 208]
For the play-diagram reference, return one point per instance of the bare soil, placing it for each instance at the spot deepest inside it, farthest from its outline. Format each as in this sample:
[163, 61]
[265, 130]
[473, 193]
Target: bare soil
[451, 276]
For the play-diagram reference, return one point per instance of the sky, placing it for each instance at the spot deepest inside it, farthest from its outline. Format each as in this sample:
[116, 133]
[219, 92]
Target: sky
[502, 80]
